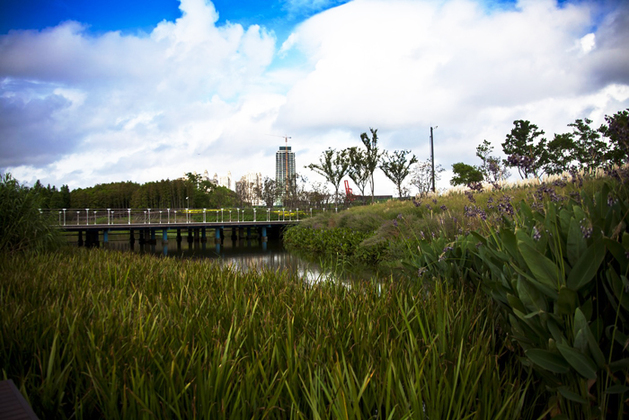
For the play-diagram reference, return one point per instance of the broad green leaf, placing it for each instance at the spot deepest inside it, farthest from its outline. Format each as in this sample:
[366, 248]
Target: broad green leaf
[619, 253]
[515, 302]
[564, 221]
[580, 341]
[595, 350]
[543, 269]
[576, 244]
[580, 322]
[617, 389]
[619, 365]
[555, 331]
[570, 395]
[586, 268]
[582, 364]
[551, 292]
[547, 360]
[567, 301]
[529, 296]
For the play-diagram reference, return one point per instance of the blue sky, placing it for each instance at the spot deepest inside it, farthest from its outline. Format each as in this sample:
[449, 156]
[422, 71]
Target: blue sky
[94, 92]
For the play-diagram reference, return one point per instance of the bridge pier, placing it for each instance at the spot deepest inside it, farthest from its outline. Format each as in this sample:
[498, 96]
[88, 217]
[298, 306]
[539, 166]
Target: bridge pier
[165, 238]
[217, 235]
[179, 236]
[265, 238]
[80, 238]
[190, 238]
[131, 237]
[203, 235]
[153, 240]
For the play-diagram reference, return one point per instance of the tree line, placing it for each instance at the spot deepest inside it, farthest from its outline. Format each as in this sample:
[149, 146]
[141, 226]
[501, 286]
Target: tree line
[584, 148]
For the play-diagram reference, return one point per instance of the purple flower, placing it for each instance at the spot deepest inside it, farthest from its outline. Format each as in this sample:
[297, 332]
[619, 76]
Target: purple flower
[536, 235]
[443, 207]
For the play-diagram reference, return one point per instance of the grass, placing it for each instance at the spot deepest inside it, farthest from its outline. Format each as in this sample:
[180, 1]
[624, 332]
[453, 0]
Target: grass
[96, 334]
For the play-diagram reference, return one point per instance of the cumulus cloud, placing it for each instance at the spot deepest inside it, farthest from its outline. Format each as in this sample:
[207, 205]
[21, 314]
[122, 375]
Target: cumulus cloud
[80, 108]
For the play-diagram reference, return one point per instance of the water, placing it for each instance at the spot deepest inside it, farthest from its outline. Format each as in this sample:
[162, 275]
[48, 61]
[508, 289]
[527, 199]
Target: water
[244, 255]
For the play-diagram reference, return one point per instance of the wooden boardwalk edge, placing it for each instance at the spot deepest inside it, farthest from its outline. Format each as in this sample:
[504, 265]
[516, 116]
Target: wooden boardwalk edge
[13, 406]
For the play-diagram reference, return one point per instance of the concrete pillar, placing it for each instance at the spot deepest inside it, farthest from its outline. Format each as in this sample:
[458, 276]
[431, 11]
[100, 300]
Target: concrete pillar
[142, 237]
[165, 238]
[190, 238]
[153, 240]
[131, 237]
[178, 235]
[249, 232]
[105, 236]
[217, 236]
[264, 236]
[203, 235]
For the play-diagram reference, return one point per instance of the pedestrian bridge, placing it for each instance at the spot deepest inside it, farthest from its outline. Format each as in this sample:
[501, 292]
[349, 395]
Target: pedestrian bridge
[196, 224]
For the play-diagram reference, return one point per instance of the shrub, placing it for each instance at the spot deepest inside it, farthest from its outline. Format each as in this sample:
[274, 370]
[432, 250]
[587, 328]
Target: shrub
[22, 226]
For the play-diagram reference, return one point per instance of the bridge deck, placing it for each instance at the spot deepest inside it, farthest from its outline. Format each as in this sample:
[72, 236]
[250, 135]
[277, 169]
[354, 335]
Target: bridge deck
[193, 225]
[13, 406]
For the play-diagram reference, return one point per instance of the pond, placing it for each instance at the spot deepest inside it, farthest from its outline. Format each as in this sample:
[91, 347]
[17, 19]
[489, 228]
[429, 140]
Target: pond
[242, 254]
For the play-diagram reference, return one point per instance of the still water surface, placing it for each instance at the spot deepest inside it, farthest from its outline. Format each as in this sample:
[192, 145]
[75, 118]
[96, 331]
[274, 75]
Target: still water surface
[244, 255]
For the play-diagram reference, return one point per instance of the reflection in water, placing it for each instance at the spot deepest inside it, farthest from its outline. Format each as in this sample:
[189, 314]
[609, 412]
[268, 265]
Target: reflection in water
[244, 255]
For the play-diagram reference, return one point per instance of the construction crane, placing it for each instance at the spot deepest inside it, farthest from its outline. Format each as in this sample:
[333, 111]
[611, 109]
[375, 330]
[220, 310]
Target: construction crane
[348, 192]
[286, 159]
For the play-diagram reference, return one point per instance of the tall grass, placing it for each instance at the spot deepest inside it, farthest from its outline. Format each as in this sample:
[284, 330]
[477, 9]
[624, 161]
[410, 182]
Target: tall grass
[22, 226]
[96, 334]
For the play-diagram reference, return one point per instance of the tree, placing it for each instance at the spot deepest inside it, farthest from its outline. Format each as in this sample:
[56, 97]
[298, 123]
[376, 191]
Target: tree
[333, 166]
[465, 174]
[397, 167]
[421, 176]
[358, 169]
[372, 156]
[617, 130]
[590, 151]
[492, 167]
[560, 154]
[525, 150]
[267, 191]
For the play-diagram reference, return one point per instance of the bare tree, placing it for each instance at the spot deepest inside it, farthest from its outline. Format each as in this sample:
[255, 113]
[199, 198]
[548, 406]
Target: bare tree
[333, 166]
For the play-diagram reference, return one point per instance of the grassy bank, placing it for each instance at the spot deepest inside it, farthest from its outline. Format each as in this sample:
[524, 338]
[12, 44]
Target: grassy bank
[554, 257]
[96, 334]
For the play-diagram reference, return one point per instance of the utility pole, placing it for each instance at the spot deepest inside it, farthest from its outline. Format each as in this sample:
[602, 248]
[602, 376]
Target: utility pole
[432, 158]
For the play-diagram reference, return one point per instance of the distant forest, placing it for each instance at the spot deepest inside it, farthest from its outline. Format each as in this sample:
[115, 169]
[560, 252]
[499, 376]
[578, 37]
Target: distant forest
[192, 191]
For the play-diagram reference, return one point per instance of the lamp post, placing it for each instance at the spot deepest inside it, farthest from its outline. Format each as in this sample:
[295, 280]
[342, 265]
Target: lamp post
[64, 216]
[238, 214]
[268, 215]
[108, 215]
[59, 217]
[149, 216]
[129, 212]
[77, 218]
[168, 210]
[94, 216]
[160, 217]
[432, 158]
[222, 218]
[230, 216]
[254, 215]
[187, 215]
[204, 215]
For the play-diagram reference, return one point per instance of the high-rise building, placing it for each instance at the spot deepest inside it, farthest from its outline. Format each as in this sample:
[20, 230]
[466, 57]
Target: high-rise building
[284, 167]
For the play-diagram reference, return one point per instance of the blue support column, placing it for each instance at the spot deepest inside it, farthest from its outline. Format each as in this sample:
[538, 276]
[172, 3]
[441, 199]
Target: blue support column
[153, 236]
[105, 236]
[264, 236]
[164, 236]
[217, 237]
[203, 235]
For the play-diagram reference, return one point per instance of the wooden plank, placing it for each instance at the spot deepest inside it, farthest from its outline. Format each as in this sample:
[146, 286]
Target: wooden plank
[13, 406]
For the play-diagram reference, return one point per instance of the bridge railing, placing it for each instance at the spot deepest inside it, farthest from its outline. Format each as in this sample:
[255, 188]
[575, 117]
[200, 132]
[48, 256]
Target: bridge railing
[165, 216]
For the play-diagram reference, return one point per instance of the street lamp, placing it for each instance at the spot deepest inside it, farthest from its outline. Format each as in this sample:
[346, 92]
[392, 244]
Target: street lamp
[432, 158]
[129, 212]
[149, 216]
[222, 218]
[168, 214]
[108, 210]
[160, 217]
[94, 216]
[77, 218]
[64, 216]
[254, 215]
[204, 215]
[175, 216]
[238, 216]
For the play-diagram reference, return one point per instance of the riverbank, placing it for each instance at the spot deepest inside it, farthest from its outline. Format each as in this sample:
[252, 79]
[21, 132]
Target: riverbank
[104, 334]
[553, 257]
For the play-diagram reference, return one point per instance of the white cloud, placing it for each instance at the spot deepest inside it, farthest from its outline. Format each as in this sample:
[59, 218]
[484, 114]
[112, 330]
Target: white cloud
[81, 109]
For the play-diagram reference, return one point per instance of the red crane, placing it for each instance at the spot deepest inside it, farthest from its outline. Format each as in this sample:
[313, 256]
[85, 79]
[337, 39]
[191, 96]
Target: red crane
[348, 191]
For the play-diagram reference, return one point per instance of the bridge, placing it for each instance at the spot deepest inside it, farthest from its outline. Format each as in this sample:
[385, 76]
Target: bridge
[195, 223]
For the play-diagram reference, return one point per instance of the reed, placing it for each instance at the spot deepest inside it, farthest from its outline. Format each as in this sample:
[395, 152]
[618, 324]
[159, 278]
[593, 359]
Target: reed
[97, 334]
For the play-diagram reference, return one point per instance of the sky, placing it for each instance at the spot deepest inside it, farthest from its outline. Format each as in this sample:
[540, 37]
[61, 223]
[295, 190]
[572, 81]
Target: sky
[142, 90]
